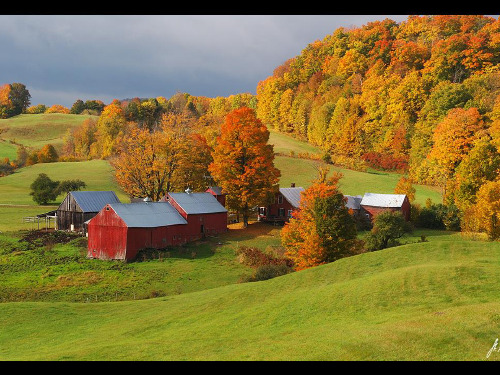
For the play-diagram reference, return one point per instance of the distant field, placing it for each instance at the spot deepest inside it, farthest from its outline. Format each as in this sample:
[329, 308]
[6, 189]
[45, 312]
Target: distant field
[15, 201]
[303, 171]
[97, 174]
[35, 131]
[424, 301]
[284, 143]
[7, 150]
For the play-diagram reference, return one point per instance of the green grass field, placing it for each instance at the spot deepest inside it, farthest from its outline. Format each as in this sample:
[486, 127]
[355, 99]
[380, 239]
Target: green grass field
[35, 131]
[16, 203]
[7, 150]
[436, 300]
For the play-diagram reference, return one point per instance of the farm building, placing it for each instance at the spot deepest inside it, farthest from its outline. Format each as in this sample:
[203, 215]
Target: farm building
[216, 191]
[120, 230]
[372, 204]
[286, 200]
[202, 211]
[354, 203]
[81, 206]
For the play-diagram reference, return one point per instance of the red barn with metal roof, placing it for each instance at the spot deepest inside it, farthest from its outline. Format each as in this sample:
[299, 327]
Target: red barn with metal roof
[202, 211]
[120, 230]
[373, 204]
[285, 202]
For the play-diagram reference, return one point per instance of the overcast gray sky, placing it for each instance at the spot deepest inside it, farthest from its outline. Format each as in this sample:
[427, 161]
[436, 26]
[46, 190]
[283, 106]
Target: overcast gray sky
[62, 58]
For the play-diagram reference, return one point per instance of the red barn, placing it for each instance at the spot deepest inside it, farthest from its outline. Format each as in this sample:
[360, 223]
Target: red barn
[285, 202]
[216, 191]
[120, 230]
[373, 204]
[202, 211]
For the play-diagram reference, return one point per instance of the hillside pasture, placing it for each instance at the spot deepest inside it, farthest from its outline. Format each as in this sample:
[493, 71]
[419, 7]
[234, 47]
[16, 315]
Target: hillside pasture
[35, 131]
[7, 150]
[423, 301]
[303, 171]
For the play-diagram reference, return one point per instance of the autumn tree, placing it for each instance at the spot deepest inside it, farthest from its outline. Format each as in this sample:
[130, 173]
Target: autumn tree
[243, 162]
[404, 186]
[57, 108]
[453, 138]
[47, 154]
[146, 163]
[151, 164]
[110, 127]
[322, 230]
[484, 215]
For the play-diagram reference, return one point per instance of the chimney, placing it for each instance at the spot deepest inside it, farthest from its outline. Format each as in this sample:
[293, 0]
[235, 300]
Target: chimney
[293, 184]
[147, 199]
[188, 190]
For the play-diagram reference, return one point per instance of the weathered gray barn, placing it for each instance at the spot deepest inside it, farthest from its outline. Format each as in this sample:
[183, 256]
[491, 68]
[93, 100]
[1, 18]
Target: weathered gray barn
[80, 206]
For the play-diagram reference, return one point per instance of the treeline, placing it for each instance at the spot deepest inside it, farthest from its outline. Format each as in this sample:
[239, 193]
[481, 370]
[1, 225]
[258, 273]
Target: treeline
[421, 97]
[375, 95]
[99, 138]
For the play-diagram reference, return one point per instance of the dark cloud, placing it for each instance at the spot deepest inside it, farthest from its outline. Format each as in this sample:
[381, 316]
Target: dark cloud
[61, 58]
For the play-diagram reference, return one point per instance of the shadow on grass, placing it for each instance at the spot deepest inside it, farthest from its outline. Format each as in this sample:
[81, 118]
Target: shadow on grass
[207, 247]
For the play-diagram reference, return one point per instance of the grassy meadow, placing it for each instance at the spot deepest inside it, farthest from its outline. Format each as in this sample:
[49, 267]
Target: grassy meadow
[432, 300]
[302, 171]
[35, 131]
[435, 300]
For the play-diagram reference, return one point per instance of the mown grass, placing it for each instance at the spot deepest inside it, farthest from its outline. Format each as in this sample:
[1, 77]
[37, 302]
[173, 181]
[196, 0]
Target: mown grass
[426, 301]
[97, 174]
[35, 131]
[48, 269]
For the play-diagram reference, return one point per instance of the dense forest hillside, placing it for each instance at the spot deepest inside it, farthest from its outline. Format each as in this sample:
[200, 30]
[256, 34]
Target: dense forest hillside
[420, 97]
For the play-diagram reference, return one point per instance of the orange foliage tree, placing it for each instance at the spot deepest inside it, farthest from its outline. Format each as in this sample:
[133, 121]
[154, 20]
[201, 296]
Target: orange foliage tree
[453, 138]
[484, 215]
[243, 162]
[322, 230]
[146, 163]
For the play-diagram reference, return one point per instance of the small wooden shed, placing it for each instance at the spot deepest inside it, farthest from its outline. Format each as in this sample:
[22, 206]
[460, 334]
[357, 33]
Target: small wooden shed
[81, 206]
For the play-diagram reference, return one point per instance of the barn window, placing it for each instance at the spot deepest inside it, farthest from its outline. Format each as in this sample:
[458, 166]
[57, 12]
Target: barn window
[107, 208]
[289, 213]
[262, 211]
[281, 212]
[280, 199]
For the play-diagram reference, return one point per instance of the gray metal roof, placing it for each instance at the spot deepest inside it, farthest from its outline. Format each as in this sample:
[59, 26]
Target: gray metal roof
[383, 200]
[94, 201]
[148, 215]
[292, 195]
[353, 201]
[198, 203]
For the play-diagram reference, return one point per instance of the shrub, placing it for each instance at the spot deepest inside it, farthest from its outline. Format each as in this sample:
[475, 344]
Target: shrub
[388, 227]
[270, 271]
[254, 257]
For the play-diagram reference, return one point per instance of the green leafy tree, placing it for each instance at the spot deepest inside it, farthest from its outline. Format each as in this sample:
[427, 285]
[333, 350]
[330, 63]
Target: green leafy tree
[388, 227]
[77, 107]
[43, 189]
[70, 185]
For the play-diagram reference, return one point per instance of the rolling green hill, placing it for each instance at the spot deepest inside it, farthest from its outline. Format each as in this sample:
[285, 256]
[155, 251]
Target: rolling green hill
[16, 203]
[426, 301]
[35, 131]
